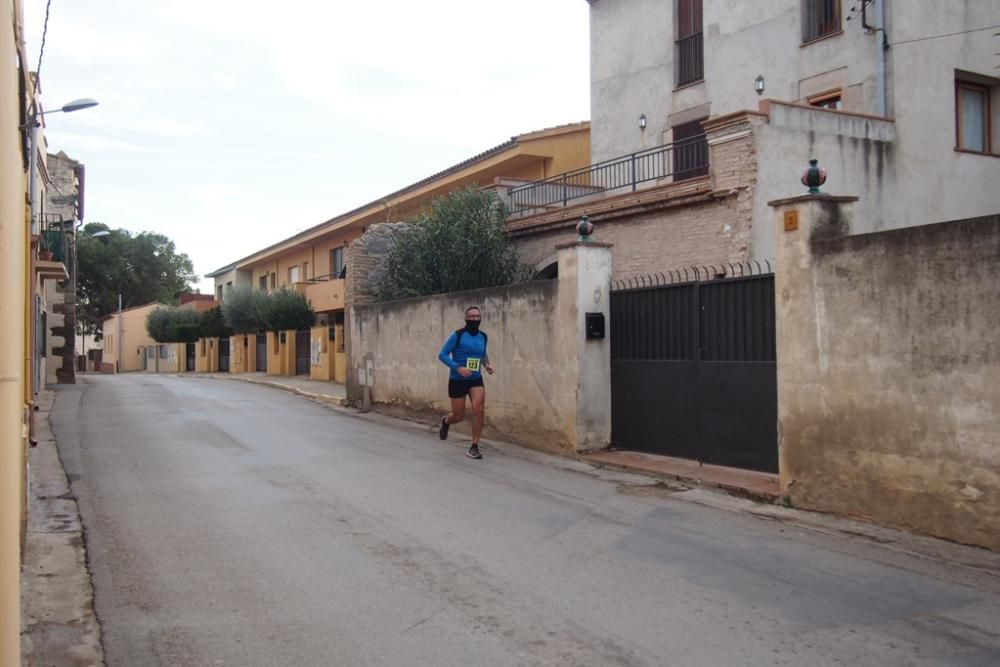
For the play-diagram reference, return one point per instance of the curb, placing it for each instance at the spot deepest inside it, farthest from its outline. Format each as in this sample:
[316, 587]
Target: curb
[338, 401]
[687, 480]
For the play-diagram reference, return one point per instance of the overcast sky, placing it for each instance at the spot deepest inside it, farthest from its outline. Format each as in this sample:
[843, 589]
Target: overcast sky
[229, 125]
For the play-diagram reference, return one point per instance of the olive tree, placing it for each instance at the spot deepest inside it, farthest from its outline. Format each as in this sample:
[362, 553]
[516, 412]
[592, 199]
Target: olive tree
[460, 244]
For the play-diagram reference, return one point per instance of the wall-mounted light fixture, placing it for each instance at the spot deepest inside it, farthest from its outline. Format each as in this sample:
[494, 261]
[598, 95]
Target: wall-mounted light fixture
[642, 121]
[758, 84]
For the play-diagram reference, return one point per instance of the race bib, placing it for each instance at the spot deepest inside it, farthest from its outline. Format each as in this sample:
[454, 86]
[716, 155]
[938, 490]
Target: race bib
[472, 364]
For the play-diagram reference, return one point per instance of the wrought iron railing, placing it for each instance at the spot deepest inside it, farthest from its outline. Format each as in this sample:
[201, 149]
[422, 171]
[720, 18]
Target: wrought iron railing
[690, 59]
[682, 159]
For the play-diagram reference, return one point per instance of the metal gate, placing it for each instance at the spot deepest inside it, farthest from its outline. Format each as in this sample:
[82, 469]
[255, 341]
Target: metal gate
[261, 353]
[302, 344]
[693, 366]
[223, 355]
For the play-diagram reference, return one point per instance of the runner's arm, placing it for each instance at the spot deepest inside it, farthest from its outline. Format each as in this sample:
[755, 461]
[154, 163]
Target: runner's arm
[445, 354]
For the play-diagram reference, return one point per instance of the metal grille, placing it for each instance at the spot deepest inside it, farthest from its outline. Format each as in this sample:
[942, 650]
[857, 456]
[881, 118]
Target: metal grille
[693, 370]
[820, 17]
[690, 59]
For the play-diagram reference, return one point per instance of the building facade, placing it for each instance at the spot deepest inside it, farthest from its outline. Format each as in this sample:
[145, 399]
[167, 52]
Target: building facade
[314, 262]
[899, 102]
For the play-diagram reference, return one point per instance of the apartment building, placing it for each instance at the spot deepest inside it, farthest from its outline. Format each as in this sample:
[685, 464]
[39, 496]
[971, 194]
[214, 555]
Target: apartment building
[313, 262]
[705, 110]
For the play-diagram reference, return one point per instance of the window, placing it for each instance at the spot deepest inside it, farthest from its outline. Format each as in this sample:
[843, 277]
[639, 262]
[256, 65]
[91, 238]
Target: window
[218, 293]
[820, 18]
[689, 47]
[305, 270]
[690, 151]
[229, 287]
[274, 281]
[337, 262]
[972, 110]
[262, 282]
[293, 274]
[827, 101]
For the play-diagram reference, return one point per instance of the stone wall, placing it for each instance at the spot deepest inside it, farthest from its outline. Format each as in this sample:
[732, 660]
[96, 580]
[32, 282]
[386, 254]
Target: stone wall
[365, 259]
[888, 370]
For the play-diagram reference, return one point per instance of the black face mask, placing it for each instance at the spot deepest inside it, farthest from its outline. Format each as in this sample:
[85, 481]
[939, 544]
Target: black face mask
[472, 326]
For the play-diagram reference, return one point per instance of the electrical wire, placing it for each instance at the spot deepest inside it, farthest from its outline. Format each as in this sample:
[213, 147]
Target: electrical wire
[950, 34]
[41, 50]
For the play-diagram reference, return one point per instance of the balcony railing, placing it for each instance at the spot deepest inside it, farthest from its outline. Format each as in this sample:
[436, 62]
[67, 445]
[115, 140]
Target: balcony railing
[690, 59]
[682, 159]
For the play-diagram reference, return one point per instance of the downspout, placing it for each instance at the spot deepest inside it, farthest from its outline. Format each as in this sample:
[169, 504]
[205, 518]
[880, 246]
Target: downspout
[882, 46]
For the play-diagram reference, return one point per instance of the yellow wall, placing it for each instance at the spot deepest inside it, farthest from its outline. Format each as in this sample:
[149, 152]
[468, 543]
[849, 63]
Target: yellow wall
[134, 337]
[239, 348]
[206, 355]
[274, 354]
[321, 357]
[13, 281]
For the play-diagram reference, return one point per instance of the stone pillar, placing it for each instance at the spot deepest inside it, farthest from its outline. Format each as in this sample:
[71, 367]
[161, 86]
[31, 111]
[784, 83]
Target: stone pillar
[800, 223]
[585, 288]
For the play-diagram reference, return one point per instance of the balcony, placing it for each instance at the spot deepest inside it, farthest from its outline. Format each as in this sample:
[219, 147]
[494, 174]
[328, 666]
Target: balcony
[683, 159]
[325, 293]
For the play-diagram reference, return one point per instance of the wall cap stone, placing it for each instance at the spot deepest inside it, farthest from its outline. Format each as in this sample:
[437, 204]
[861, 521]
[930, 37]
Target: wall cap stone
[584, 244]
[798, 199]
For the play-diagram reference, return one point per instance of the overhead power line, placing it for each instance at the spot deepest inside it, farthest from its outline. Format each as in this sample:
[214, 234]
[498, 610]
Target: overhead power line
[41, 50]
[950, 34]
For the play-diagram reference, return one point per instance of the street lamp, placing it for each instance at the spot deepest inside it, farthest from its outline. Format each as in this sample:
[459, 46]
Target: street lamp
[32, 126]
[121, 325]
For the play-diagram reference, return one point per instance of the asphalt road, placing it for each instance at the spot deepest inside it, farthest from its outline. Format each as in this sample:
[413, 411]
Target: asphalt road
[233, 524]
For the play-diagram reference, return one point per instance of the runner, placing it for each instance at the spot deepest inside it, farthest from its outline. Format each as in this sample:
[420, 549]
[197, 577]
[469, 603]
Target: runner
[465, 354]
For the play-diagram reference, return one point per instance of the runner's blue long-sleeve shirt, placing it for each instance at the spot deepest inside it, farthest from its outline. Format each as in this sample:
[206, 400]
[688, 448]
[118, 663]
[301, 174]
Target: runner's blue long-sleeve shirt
[470, 353]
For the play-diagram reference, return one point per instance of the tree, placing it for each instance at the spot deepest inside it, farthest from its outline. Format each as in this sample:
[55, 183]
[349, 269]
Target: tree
[287, 309]
[459, 245]
[167, 324]
[143, 268]
[158, 324]
[212, 324]
[241, 311]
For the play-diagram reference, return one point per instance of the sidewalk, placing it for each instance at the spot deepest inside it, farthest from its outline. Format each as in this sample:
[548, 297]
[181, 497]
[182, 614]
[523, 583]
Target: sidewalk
[760, 486]
[58, 623]
[317, 390]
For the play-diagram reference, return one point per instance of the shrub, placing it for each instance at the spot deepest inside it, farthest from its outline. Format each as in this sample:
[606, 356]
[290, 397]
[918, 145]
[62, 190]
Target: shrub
[242, 310]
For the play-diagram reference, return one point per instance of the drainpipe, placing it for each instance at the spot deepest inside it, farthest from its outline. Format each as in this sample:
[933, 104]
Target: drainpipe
[882, 46]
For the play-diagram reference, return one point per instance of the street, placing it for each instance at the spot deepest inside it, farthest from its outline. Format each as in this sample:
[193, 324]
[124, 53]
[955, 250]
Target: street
[234, 524]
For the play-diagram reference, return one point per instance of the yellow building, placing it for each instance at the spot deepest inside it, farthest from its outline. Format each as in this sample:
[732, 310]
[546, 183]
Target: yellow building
[312, 262]
[14, 389]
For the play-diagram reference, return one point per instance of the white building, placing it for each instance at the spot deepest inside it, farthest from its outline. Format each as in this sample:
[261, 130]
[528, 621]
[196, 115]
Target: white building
[899, 100]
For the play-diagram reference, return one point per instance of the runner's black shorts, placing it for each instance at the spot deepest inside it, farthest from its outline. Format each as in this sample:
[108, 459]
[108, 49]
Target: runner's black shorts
[460, 388]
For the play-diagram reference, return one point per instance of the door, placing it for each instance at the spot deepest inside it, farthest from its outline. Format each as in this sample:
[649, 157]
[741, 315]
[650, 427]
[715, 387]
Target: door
[261, 353]
[223, 355]
[693, 370]
[189, 357]
[302, 344]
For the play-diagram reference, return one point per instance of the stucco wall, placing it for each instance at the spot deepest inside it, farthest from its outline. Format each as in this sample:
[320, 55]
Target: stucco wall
[906, 173]
[134, 337]
[531, 397]
[888, 371]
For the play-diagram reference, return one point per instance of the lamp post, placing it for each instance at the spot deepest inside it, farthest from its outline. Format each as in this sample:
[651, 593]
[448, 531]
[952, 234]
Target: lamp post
[121, 324]
[32, 126]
